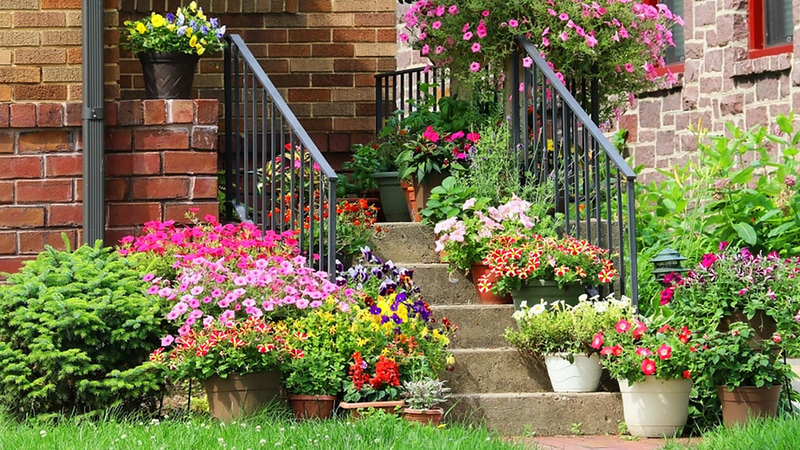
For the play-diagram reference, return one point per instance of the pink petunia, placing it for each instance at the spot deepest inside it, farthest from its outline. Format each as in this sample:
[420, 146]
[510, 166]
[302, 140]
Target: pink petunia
[475, 66]
[476, 47]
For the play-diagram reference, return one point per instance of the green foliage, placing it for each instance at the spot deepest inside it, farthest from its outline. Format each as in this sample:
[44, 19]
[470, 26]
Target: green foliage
[425, 393]
[446, 200]
[77, 327]
[493, 170]
[564, 329]
[363, 163]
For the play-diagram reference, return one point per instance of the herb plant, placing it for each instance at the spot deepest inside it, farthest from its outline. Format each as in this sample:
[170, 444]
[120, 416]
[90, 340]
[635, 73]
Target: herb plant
[425, 393]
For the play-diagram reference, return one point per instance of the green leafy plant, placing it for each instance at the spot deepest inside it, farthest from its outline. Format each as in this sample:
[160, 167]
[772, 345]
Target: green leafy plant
[186, 31]
[425, 393]
[76, 331]
[559, 328]
[446, 201]
[363, 164]
[355, 226]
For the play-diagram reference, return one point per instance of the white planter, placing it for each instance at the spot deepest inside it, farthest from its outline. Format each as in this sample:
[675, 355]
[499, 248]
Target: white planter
[583, 375]
[655, 408]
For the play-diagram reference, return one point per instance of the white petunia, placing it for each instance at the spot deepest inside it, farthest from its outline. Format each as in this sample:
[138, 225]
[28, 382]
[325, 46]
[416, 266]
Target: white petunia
[538, 309]
[518, 315]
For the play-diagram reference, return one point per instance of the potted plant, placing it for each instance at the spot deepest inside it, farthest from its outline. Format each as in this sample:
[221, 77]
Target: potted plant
[563, 335]
[533, 267]
[315, 379]
[170, 46]
[464, 238]
[355, 228]
[654, 367]
[422, 396]
[748, 376]
[389, 145]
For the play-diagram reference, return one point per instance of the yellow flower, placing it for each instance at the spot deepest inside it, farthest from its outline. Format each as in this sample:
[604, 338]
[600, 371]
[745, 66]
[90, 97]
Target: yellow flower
[193, 41]
[451, 359]
[171, 27]
[200, 14]
[188, 32]
[141, 28]
[550, 144]
[193, 6]
[200, 50]
[362, 341]
[203, 41]
[158, 20]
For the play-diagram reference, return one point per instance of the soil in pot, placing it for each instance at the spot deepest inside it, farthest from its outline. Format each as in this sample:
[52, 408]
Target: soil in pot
[744, 402]
[306, 407]
[424, 416]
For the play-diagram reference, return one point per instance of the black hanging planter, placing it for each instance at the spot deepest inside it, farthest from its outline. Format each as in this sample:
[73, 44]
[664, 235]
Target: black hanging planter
[168, 75]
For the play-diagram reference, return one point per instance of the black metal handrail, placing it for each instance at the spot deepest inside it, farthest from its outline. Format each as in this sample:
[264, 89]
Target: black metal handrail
[561, 142]
[393, 91]
[275, 176]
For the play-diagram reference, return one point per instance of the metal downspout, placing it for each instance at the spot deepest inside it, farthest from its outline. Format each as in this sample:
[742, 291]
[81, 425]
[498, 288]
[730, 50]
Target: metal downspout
[93, 126]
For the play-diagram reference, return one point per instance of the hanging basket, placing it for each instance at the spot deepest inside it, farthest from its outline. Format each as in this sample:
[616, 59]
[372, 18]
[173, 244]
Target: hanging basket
[168, 75]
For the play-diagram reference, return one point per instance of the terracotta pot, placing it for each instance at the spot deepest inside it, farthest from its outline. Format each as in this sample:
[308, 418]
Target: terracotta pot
[390, 407]
[744, 402]
[411, 201]
[239, 395]
[547, 290]
[488, 298]
[424, 416]
[307, 407]
[422, 189]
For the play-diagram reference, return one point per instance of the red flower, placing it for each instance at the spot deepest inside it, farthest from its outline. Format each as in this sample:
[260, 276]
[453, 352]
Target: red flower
[296, 353]
[623, 326]
[641, 351]
[648, 366]
[776, 338]
[687, 374]
[265, 348]
[664, 352]
[666, 295]
[300, 336]
[639, 329]
[597, 342]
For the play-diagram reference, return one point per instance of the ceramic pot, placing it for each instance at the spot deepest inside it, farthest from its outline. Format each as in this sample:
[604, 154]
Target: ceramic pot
[393, 199]
[655, 408]
[355, 408]
[240, 395]
[488, 298]
[168, 75]
[582, 375]
[307, 407]
[424, 416]
[547, 290]
[744, 402]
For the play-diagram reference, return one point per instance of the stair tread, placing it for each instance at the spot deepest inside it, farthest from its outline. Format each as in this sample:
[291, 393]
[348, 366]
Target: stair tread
[483, 349]
[501, 395]
[475, 306]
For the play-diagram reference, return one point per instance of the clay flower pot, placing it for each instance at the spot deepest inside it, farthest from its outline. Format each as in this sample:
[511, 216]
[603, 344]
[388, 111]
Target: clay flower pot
[239, 395]
[390, 407]
[488, 298]
[424, 416]
[307, 407]
[745, 402]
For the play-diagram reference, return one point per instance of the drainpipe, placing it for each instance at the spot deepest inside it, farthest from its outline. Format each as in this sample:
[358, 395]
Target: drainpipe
[93, 126]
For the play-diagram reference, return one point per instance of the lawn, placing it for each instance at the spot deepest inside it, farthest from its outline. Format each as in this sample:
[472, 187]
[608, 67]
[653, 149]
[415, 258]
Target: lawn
[269, 429]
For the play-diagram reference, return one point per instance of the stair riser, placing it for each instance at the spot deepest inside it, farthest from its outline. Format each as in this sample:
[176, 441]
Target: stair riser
[543, 414]
[406, 243]
[434, 281]
[487, 371]
[479, 327]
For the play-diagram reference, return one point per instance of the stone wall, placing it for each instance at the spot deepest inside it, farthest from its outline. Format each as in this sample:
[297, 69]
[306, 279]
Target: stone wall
[321, 54]
[720, 83]
[161, 160]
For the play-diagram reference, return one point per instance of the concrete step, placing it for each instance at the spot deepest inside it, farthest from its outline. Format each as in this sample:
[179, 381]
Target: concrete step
[440, 287]
[543, 414]
[487, 370]
[479, 326]
[406, 242]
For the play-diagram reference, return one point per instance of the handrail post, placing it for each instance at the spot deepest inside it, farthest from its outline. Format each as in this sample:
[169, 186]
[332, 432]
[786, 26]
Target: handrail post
[227, 75]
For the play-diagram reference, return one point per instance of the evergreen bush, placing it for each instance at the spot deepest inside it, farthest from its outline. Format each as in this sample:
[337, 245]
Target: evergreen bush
[76, 332]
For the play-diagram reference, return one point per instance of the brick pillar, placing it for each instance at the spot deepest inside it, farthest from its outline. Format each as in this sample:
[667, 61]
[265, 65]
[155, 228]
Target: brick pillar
[161, 160]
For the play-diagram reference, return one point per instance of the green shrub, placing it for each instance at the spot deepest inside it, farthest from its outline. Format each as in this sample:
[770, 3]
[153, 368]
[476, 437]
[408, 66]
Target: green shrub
[77, 328]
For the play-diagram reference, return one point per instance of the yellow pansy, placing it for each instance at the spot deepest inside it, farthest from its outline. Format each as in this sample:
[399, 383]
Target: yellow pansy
[171, 27]
[200, 50]
[193, 41]
[451, 359]
[193, 6]
[200, 14]
[203, 41]
[141, 28]
[188, 32]
[158, 20]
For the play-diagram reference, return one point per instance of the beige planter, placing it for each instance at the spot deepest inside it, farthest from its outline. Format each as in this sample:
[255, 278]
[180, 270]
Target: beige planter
[239, 395]
[391, 407]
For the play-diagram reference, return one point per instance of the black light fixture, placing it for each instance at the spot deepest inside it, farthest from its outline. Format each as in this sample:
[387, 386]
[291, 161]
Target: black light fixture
[667, 261]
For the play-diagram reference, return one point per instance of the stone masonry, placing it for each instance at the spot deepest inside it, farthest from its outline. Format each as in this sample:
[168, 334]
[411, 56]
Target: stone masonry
[720, 83]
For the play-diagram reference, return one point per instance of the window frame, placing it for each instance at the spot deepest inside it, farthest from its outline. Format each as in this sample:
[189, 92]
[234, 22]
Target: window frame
[757, 44]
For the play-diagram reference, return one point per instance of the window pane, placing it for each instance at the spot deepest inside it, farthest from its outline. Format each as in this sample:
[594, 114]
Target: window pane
[675, 55]
[778, 21]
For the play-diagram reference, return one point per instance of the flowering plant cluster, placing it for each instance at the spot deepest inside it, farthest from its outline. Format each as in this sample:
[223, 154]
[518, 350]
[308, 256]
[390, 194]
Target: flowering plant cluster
[515, 259]
[393, 326]
[245, 346]
[188, 30]
[635, 349]
[737, 280]
[560, 328]
[621, 41]
[465, 241]
[434, 151]
[355, 226]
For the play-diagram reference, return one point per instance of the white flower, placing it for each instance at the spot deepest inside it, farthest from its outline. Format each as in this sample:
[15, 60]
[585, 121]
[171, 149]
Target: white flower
[601, 307]
[582, 297]
[538, 309]
[43, 433]
[523, 304]
[468, 204]
[518, 315]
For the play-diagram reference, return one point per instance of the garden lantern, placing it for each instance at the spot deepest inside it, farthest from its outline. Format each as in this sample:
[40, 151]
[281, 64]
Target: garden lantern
[667, 261]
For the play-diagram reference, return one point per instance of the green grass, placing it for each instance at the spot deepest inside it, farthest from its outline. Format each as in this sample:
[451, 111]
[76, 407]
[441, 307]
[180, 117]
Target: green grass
[266, 430]
[780, 433]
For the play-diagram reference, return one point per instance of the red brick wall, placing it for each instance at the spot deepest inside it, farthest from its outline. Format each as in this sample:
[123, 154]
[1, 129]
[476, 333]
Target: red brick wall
[721, 83]
[321, 54]
[161, 159]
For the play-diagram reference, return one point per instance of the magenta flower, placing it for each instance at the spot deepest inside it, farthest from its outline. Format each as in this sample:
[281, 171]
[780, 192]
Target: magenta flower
[431, 134]
[476, 47]
[425, 49]
[481, 30]
[648, 367]
[475, 66]
[563, 16]
[629, 67]
[527, 61]
[485, 13]
[167, 340]
[453, 10]
[468, 35]
[436, 25]
[513, 23]
[564, 36]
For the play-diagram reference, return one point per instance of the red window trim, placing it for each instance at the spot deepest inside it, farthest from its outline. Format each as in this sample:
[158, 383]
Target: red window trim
[756, 27]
